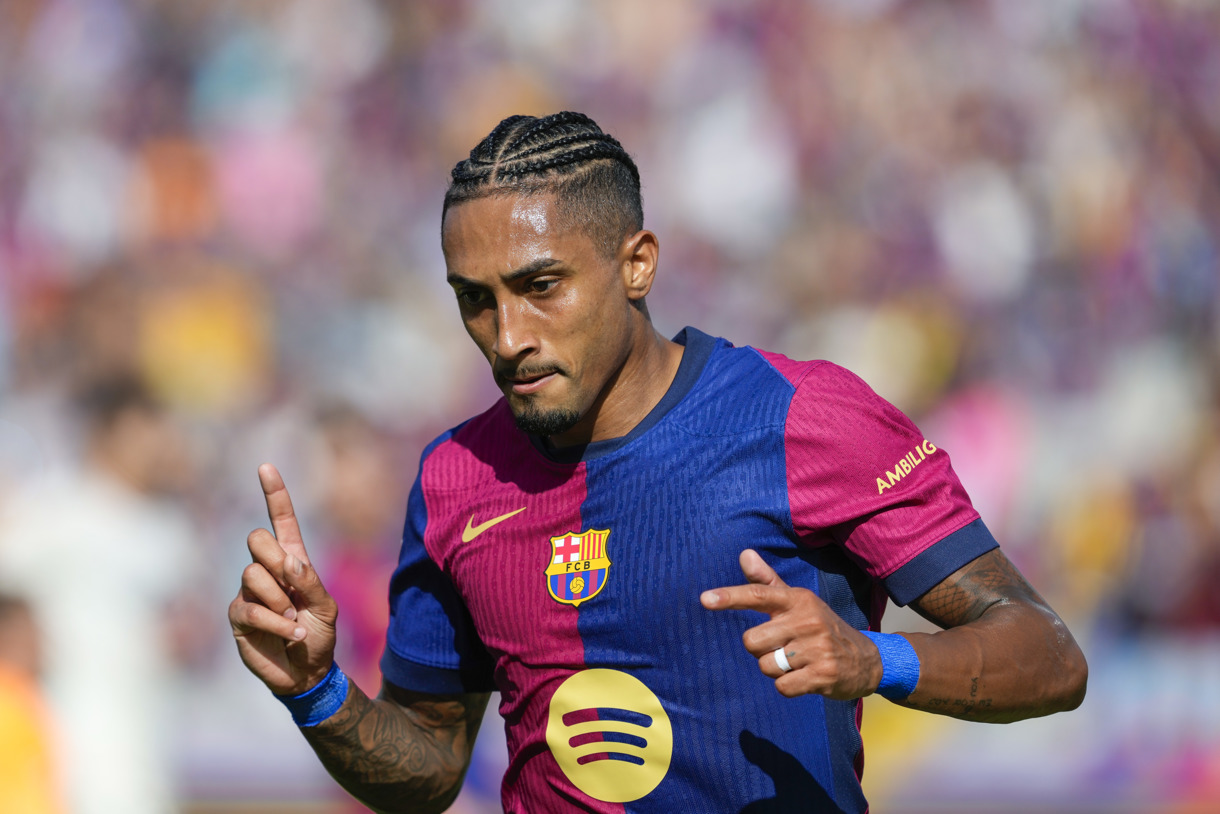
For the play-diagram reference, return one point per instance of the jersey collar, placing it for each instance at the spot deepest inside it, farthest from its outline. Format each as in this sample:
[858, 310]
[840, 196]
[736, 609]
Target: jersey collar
[698, 348]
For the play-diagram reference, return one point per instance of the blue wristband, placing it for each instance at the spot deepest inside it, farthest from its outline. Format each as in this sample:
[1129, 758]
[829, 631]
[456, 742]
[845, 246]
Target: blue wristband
[321, 701]
[899, 665]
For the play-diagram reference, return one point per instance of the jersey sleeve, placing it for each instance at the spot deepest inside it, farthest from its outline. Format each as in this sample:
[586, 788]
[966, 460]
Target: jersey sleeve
[862, 475]
[431, 643]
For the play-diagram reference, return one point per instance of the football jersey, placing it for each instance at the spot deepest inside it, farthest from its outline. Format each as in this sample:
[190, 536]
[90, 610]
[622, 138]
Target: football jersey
[570, 583]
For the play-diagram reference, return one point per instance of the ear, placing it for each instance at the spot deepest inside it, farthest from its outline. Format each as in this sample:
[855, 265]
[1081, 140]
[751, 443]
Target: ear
[637, 257]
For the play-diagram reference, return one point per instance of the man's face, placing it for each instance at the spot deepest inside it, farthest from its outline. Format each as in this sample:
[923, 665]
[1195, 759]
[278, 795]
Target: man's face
[549, 310]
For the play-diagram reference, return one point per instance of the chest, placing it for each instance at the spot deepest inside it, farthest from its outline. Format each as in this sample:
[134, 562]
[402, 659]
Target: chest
[604, 563]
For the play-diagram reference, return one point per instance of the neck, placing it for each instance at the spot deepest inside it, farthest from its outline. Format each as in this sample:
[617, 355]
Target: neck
[639, 384]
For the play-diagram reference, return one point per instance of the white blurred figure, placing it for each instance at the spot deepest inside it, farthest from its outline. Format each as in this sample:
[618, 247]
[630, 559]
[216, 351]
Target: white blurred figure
[104, 562]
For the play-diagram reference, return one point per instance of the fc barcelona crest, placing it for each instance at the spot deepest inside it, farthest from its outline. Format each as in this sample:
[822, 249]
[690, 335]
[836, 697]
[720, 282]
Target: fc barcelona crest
[578, 566]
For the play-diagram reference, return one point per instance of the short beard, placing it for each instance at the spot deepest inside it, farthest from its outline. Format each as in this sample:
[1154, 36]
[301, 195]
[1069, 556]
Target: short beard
[546, 423]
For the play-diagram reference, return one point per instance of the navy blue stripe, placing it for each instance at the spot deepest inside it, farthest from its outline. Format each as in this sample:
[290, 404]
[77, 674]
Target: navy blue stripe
[440, 629]
[412, 675]
[938, 561]
[636, 759]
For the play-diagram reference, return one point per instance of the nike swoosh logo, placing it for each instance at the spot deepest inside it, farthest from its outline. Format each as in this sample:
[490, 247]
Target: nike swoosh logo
[471, 531]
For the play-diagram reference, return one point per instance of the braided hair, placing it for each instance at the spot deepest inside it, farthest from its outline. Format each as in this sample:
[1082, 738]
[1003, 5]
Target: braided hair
[596, 184]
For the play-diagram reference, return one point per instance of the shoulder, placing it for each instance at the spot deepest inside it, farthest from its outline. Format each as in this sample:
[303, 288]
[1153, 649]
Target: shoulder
[794, 371]
[488, 450]
[472, 432]
[468, 453]
[817, 376]
[802, 376]
[748, 387]
[838, 430]
[831, 397]
[737, 391]
[821, 391]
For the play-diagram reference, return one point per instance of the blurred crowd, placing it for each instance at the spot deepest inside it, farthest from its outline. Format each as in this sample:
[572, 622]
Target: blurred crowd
[219, 245]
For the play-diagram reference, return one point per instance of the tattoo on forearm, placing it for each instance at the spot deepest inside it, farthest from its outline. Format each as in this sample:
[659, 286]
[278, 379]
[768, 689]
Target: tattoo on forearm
[987, 581]
[971, 707]
[961, 707]
[416, 759]
[398, 754]
[1003, 668]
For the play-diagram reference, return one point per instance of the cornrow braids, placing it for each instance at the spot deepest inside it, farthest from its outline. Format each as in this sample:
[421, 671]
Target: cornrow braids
[595, 181]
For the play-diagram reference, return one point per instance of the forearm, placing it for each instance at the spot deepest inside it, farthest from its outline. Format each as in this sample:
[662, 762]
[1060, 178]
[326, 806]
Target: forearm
[397, 758]
[1016, 661]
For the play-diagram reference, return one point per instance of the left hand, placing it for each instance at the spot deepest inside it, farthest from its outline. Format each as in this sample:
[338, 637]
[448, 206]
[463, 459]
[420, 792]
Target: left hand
[828, 656]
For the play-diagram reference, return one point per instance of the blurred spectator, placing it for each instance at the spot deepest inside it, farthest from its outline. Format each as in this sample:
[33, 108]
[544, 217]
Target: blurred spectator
[106, 563]
[28, 780]
[1005, 216]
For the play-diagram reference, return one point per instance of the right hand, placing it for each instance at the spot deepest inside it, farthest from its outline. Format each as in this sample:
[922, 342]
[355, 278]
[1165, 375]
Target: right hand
[282, 618]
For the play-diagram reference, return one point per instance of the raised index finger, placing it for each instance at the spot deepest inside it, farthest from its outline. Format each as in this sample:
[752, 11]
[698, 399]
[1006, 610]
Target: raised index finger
[765, 598]
[279, 510]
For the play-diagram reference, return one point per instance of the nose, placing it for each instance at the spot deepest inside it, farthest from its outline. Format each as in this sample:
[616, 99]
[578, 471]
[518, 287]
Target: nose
[514, 335]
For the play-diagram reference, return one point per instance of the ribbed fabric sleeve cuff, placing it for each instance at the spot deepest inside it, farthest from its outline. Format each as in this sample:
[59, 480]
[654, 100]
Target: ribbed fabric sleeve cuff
[938, 561]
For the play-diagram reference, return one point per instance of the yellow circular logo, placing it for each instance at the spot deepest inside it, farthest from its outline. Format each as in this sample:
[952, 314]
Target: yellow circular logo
[578, 585]
[610, 735]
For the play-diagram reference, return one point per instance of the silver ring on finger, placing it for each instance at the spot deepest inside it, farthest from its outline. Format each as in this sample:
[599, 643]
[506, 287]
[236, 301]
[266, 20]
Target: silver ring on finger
[781, 660]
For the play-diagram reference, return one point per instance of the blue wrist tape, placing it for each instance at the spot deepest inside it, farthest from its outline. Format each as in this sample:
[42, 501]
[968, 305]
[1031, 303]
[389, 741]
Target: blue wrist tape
[321, 701]
[899, 665]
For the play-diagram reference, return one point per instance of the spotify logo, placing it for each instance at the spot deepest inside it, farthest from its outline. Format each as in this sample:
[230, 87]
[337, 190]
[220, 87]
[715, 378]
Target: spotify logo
[610, 735]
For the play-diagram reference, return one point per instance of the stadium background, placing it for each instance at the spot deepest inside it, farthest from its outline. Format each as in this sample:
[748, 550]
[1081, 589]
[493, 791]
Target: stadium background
[1003, 215]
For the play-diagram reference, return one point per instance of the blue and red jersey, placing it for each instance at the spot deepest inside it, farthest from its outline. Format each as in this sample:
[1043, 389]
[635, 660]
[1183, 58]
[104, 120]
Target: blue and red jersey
[572, 585]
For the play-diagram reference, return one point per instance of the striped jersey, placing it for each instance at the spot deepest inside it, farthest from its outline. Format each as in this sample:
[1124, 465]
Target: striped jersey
[570, 583]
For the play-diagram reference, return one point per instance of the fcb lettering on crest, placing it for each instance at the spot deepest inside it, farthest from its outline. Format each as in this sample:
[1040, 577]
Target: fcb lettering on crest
[578, 566]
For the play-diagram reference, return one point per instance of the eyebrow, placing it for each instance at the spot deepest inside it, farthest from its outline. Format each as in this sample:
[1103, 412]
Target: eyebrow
[532, 267]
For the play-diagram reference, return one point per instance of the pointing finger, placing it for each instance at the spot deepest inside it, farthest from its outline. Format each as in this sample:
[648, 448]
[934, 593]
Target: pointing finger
[765, 598]
[279, 509]
[757, 571]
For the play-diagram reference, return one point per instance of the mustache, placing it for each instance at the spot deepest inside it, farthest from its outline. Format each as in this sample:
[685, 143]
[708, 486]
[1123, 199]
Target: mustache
[526, 372]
